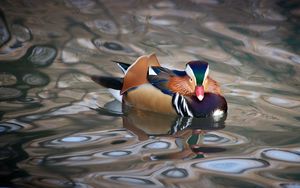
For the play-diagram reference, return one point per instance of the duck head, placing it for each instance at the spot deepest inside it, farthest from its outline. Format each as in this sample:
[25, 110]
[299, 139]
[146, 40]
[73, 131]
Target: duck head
[197, 72]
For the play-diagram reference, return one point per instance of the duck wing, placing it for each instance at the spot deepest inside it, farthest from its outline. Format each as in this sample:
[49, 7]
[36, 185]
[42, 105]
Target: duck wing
[108, 82]
[114, 84]
[160, 83]
[162, 71]
[161, 78]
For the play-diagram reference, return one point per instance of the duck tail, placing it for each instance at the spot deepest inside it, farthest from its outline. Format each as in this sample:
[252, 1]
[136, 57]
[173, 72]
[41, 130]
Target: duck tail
[108, 82]
[114, 85]
[122, 66]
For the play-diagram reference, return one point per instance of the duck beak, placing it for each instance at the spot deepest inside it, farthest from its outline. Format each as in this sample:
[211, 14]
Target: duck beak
[200, 92]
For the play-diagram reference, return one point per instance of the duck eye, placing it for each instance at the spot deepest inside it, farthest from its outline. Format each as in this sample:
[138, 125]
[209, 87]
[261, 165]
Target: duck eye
[191, 80]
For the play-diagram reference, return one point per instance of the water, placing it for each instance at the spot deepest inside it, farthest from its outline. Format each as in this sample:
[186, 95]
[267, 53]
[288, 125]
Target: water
[59, 129]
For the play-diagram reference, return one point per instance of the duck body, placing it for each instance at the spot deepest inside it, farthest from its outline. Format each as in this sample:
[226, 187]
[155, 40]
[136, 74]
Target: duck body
[148, 86]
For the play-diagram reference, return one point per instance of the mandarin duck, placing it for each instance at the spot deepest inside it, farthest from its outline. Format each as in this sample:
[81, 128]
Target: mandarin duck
[148, 86]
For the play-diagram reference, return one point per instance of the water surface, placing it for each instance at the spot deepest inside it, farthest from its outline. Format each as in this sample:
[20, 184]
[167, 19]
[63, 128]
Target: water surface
[59, 129]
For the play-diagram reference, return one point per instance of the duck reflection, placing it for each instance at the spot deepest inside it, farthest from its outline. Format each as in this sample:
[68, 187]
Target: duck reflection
[153, 124]
[188, 132]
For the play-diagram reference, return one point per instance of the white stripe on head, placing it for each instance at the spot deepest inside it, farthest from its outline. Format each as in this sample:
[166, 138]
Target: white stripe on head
[206, 74]
[190, 73]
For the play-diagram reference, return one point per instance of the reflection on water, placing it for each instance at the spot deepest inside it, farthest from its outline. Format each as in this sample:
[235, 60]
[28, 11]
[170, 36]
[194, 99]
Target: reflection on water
[59, 129]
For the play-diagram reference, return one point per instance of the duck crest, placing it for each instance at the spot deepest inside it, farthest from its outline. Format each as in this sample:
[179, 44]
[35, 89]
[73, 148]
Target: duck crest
[136, 74]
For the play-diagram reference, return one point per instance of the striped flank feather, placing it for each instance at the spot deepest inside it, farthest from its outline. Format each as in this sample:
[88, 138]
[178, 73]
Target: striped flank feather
[181, 106]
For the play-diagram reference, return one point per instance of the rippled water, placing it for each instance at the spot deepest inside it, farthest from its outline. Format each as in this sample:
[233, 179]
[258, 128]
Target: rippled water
[59, 129]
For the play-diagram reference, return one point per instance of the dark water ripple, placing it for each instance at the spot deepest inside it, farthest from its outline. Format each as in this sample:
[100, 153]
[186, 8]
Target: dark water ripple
[35, 79]
[13, 126]
[4, 33]
[9, 93]
[7, 79]
[8, 127]
[115, 47]
[21, 32]
[41, 56]
[104, 26]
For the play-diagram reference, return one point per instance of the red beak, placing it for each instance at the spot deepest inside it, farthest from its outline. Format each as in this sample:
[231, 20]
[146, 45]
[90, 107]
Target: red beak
[200, 92]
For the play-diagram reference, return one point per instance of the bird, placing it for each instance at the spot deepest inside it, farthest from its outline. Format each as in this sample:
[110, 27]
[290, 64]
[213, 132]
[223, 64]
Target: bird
[148, 86]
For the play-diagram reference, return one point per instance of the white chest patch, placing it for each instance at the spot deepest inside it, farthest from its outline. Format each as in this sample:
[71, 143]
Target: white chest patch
[218, 114]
